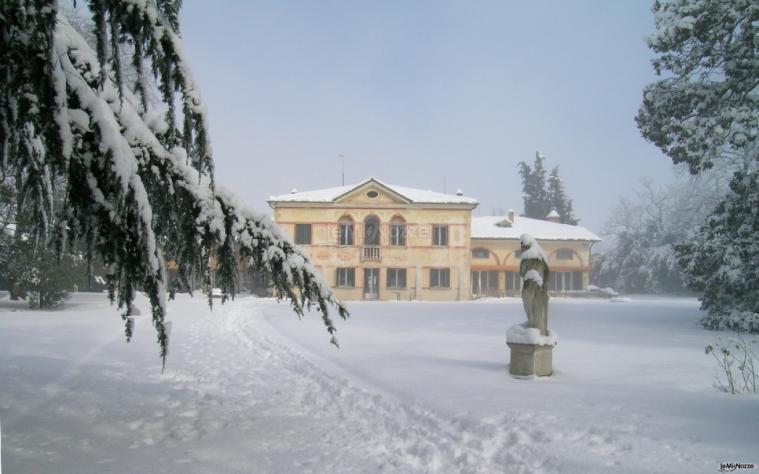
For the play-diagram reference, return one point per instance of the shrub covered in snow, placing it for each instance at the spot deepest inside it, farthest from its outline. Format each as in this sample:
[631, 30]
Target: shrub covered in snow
[722, 262]
[39, 275]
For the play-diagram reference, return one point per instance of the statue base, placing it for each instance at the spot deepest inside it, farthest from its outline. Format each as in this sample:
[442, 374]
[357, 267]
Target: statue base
[531, 360]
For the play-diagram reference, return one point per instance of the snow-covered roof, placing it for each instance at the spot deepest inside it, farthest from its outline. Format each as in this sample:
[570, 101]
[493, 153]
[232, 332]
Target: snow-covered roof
[553, 214]
[411, 194]
[499, 227]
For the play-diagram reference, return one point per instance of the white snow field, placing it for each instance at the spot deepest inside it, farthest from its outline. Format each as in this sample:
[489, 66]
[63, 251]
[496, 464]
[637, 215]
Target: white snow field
[414, 388]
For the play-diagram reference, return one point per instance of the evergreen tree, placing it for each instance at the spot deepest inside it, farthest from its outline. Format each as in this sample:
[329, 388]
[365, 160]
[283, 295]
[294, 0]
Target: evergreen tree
[534, 192]
[722, 260]
[542, 195]
[704, 112]
[39, 274]
[136, 180]
[558, 200]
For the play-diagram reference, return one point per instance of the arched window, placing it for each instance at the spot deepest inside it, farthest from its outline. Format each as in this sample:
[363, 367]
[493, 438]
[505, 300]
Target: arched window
[480, 253]
[398, 232]
[372, 230]
[564, 254]
[346, 231]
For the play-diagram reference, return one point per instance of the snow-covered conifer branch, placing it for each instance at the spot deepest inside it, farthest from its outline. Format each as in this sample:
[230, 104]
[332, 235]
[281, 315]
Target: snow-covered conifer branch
[136, 187]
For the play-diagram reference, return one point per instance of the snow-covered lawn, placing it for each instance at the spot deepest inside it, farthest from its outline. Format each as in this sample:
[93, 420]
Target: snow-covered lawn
[415, 387]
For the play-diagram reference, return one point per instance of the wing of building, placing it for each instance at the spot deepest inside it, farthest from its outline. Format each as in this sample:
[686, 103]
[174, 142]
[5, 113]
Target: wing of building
[374, 240]
[495, 253]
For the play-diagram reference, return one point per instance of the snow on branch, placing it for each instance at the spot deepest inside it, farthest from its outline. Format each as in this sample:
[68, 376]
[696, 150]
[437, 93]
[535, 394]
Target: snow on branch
[136, 187]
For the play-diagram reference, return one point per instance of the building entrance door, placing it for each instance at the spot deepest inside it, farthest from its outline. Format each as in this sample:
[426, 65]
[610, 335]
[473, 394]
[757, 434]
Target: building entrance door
[371, 283]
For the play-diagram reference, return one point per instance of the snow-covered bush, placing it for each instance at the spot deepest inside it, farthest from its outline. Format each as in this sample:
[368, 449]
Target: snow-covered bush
[722, 260]
[41, 276]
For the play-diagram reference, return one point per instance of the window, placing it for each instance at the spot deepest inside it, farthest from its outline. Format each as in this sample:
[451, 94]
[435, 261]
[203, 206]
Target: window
[440, 278]
[303, 234]
[564, 254]
[371, 231]
[556, 281]
[565, 281]
[577, 280]
[396, 278]
[517, 254]
[480, 253]
[346, 278]
[484, 282]
[491, 281]
[397, 232]
[346, 231]
[440, 235]
[372, 194]
[513, 281]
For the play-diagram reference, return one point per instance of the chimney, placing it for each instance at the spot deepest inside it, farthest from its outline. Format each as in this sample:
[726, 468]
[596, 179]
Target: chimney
[511, 215]
[459, 192]
[554, 216]
[293, 191]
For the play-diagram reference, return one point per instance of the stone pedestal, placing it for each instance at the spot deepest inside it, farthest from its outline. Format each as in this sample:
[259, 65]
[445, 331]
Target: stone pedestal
[531, 359]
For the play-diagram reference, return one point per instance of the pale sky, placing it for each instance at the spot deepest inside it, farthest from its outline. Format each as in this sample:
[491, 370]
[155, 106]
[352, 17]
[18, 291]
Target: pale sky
[418, 93]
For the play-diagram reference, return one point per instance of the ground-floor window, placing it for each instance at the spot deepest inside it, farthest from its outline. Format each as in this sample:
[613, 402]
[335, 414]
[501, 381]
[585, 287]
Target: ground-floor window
[484, 282]
[565, 281]
[440, 278]
[346, 277]
[513, 281]
[396, 278]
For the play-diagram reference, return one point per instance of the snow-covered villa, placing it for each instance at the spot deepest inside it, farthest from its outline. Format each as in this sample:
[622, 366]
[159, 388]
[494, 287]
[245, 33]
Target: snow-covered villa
[374, 240]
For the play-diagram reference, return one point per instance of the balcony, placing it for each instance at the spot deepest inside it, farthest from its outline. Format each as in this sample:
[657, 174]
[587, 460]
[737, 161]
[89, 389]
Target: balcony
[370, 253]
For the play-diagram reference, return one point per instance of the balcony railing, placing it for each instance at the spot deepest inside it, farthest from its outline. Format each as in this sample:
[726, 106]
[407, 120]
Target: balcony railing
[370, 252]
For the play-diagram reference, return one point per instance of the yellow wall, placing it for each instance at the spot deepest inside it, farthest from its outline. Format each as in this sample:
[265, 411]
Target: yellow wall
[502, 257]
[418, 256]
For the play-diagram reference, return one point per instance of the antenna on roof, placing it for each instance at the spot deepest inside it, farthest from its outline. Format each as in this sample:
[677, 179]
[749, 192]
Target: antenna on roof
[443, 184]
[342, 169]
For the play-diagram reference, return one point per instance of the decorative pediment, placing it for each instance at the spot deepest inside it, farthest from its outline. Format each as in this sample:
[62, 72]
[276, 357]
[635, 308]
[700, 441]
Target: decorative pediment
[372, 192]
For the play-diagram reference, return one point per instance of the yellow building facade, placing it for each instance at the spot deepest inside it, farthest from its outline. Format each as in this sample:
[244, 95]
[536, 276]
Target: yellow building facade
[495, 254]
[379, 241]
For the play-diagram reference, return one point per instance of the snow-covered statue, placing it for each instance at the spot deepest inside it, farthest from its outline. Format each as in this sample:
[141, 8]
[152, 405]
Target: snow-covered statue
[535, 273]
[532, 343]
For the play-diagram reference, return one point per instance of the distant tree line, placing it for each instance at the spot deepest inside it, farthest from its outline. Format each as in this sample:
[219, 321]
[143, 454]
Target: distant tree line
[644, 231]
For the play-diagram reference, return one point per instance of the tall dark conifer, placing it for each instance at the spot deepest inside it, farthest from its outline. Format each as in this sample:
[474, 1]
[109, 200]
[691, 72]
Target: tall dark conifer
[542, 194]
[558, 200]
[534, 192]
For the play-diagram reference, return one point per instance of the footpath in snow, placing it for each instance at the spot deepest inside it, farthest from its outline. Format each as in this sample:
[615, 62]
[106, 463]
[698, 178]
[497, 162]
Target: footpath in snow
[415, 388]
